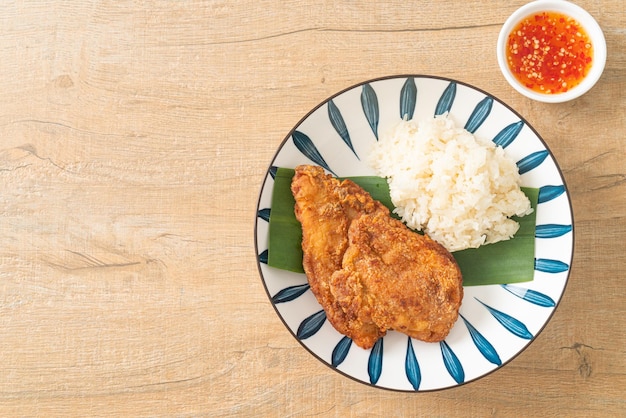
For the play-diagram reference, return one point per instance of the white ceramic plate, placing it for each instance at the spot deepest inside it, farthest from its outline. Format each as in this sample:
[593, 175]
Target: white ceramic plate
[497, 322]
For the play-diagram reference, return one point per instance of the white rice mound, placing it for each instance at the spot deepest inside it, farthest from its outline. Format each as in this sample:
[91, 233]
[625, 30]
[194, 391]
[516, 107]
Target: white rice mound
[459, 189]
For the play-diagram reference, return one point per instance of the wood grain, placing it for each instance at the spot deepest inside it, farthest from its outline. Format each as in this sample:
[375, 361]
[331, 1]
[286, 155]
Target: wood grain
[135, 137]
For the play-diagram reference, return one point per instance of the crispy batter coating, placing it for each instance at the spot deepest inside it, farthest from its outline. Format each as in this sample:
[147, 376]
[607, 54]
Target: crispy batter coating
[398, 279]
[326, 207]
[370, 272]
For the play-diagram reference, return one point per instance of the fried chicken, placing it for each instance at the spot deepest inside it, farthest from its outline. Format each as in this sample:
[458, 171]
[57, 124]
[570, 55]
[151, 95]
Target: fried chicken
[398, 279]
[326, 207]
[370, 272]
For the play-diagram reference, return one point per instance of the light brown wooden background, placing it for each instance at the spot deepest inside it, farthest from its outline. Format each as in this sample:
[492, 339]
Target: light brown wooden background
[134, 139]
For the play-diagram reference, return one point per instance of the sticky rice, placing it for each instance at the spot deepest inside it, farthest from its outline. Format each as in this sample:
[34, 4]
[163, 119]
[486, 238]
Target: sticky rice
[456, 187]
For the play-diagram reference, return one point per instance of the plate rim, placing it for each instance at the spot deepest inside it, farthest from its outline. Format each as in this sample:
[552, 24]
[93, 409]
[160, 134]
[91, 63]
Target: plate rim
[415, 76]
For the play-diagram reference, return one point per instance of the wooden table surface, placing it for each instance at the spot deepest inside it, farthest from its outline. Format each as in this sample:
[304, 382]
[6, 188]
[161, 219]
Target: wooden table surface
[135, 139]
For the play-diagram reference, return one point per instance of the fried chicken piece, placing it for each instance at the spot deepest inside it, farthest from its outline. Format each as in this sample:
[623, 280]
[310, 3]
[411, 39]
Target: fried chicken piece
[326, 206]
[370, 272]
[398, 279]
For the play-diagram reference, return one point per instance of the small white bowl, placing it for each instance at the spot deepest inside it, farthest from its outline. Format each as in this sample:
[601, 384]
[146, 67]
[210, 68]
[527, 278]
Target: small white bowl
[584, 19]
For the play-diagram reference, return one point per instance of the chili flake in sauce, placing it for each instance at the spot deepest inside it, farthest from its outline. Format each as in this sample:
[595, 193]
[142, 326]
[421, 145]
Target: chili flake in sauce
[549, 52]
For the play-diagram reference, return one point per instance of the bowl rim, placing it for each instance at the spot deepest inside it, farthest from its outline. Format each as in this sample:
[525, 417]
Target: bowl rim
[584, 18]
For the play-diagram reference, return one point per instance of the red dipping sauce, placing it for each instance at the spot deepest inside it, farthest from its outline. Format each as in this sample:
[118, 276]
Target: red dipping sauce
[549, 52]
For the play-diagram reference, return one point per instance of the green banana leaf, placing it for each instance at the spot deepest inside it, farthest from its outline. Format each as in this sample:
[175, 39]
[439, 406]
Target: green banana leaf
[511, 261]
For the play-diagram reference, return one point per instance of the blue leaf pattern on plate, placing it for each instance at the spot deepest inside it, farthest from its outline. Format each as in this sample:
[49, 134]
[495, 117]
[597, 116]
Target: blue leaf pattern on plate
[311, 325]
[483, 345]
[547, 193]
[408, 98]
[273, 170]
[452, 363]
[375, 362]
[552, 230]
[264, 214]
[263, 257]
[480, 113]
[307, 147]
[550, 266]
[340, 126]
[369, 102]
[445, 101]
[506, 136]
[515, 326]
[412, 367]
[530, 295]
[531, 161]
[341, 351]
[290, 293]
